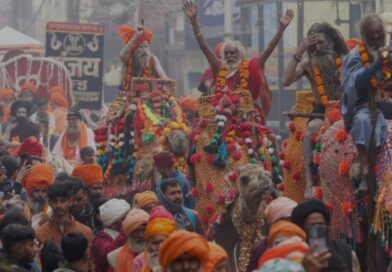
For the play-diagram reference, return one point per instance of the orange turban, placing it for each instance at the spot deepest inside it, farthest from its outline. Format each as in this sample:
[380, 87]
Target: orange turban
[90, 173]
[41, 175]
[134, 219]
[29, 86]
[159, 222]
[216, 254]
[188, 103]
[126, 33]
[56, 89]
[7, 93]
[181, 242]
[145, 199]
[285, 228]
[295, 248]
[59, 99]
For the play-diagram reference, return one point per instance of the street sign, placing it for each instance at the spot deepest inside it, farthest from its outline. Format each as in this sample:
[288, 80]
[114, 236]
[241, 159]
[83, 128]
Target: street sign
[80, 48]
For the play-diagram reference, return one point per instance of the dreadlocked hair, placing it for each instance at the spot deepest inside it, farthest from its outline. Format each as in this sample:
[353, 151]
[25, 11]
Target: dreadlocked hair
[334, 35]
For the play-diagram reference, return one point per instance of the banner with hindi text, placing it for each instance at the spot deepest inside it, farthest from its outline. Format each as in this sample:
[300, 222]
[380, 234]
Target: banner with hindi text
[80, 48]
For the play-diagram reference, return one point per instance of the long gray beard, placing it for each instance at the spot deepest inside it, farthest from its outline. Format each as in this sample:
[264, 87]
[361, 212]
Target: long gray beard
[37, 205]
[326, 63]
[140, 62]
[233, 67]
[136, 246]
[153, 262]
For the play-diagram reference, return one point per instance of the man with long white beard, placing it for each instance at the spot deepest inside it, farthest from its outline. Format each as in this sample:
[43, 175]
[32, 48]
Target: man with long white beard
[160, 225]
[75, 136]
[325, 48]
[136, 55]
[134, 226]
[365, 98]
[233, 70]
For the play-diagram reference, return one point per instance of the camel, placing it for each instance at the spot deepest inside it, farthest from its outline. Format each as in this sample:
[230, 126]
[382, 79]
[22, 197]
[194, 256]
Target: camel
[243, 222]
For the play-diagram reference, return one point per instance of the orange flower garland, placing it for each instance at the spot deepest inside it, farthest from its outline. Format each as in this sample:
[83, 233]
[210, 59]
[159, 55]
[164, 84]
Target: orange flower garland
[244, 76]
[365, 60]
[319, 81]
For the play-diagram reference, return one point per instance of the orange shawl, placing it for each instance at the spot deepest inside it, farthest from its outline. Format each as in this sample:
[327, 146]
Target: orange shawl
[125, 259]
[69, 153]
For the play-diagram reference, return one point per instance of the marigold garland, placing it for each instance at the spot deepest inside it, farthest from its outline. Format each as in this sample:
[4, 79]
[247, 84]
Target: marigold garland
[319, 81]
[243, 71]
[386, 67]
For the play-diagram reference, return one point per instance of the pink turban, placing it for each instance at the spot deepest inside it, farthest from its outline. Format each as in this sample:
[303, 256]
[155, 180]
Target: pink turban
[279, 208]
[134, 219]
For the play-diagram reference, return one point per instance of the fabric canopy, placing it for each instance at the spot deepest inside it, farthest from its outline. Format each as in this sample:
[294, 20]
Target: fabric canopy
[12, 39]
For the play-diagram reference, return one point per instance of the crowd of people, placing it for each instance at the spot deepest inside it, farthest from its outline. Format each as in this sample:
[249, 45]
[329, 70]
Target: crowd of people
[54, 215]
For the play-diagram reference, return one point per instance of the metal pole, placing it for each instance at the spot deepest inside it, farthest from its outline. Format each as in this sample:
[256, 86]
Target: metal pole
[279, 10]
[228, 19]
[300, 33]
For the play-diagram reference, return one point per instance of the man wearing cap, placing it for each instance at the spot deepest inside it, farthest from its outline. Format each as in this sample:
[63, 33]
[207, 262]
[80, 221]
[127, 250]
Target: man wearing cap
[92, 176]
[165, 165]
[183, 251]
[160, 225]
[37, 183]
[278, 209]
[314, 212]
[112, 213]
[146, 201]
[217, 259]
[73, 138]
[133, 226]
[21, 127]
[28, 92]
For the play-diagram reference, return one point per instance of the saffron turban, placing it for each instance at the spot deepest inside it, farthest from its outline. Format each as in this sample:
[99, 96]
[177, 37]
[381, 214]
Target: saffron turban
[279, 265]
[134, 219]
[7, 93]
[181, 242]
[216, 254]
[284, 228]
[29, 86]
[31, 146]
[90, 173]
[59, 99]
[126, 33]
[293, 249]
[56, 89]
[160, 222]
[145, 199]
[164, 160]
[279, 208]
[113, 210]
[40, 176]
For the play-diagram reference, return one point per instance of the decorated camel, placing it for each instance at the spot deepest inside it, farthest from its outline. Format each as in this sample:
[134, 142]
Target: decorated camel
[241, 224]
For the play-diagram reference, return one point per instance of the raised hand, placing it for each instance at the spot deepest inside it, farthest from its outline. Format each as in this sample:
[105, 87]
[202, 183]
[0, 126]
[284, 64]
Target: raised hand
[286, 19]
[190, 9]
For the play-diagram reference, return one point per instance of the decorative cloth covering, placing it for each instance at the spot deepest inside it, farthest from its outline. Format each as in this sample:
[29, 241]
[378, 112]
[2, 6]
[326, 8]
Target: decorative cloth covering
[126, 33]
[134, 219]
[279, 208]
[146, 198]
[31, 146]
[285, 228]
[281, 265]
[216, 254]
[113, 210]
